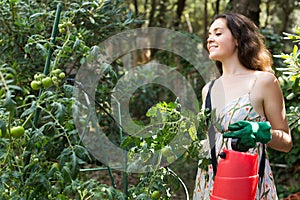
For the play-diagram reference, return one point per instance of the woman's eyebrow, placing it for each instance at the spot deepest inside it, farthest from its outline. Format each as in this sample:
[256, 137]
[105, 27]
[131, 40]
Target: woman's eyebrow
[215, 29]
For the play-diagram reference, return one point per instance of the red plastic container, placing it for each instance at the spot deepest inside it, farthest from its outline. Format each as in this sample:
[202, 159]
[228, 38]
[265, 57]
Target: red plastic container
[237, 164]
[236, 188]
[237, 176]
[212, 197]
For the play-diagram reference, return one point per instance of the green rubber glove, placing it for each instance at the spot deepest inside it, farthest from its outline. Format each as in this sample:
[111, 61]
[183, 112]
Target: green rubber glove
[249, 133]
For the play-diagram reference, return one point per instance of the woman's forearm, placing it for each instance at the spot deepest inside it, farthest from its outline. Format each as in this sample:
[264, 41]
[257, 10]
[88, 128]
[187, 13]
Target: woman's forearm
[281, 141]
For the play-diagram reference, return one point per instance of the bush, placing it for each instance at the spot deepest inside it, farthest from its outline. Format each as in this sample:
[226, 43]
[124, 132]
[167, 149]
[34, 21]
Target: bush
[44, 161]
[287, 178]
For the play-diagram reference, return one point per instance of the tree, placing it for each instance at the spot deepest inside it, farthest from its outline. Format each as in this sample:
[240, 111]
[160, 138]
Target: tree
[217, 7]
[279, 17]
[205, 24]
[249, 8]
[179, 11]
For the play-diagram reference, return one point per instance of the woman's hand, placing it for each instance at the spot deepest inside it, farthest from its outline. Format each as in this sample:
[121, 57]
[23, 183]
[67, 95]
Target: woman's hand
[249, 133]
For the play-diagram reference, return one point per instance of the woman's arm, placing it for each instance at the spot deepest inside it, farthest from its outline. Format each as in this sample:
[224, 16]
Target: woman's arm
[204, 91]
[274, 108]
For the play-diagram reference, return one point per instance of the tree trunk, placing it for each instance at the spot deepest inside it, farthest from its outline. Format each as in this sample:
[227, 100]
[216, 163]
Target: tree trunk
[146, 5]
[152, 12]
[179, 11]
[287, 8]
[162, 13]
[249, 8]
[217, 9]
[267, 13]
[205, 24]
[136, 7]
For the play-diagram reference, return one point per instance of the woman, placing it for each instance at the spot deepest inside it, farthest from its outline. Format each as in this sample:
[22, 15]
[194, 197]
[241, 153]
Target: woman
[247, 90]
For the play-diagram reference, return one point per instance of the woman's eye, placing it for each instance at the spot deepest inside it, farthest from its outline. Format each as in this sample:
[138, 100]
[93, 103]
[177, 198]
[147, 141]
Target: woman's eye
[218, 34]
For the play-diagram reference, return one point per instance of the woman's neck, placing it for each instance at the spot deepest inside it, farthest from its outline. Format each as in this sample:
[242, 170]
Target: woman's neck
[233, 67]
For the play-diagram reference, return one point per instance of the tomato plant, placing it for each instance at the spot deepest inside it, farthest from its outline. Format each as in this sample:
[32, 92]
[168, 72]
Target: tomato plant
[41, 157]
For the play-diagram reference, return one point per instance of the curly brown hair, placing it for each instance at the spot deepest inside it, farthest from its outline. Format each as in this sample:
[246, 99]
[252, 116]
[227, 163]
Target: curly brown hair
[252, 51]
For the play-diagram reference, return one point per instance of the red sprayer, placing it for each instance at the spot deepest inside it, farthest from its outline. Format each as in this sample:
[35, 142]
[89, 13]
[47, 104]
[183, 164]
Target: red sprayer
[236, 177]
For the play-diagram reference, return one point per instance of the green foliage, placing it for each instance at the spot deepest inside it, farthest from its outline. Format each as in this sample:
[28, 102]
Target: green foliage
[45, 162]
[275, 46]
[167, 124]
[152, 144]
[289, 81]
[158, 181]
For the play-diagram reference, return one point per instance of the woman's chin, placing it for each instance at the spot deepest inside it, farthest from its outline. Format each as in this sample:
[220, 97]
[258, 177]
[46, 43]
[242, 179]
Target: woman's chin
[213, 57]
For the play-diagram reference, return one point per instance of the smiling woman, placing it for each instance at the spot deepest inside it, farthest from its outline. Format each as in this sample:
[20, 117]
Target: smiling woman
[221, 43]
[246, 98]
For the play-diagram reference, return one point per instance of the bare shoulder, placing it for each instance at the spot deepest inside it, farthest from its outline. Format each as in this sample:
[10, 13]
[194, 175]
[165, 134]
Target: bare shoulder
[266, 79]
[269, 88]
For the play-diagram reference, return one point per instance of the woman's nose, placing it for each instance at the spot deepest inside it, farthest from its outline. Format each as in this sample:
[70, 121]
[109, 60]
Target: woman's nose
[210, 38]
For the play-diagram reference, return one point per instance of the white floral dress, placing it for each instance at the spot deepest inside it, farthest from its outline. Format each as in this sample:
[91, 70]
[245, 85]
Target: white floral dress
[238, 109]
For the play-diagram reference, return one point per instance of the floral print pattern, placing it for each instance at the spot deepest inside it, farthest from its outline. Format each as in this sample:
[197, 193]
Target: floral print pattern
[238, 109]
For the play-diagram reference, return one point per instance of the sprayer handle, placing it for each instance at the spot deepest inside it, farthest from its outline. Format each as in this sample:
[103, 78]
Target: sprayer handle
[236, 147]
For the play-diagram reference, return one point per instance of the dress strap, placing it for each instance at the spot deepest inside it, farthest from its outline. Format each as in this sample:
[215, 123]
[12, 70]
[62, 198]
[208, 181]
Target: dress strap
[253, 84]
[211, 131]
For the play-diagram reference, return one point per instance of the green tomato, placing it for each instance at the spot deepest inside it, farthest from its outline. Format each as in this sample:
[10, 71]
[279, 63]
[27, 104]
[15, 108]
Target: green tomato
[56, 71]
[166, 151]
[155, 194]
[47, 82]
[35, 85]
[61, 30]
[40, 76]
[36, 77]
[54, 79]
[55, 165]
[17, 131]
[171, 159]
[62, 75]
[69, 23]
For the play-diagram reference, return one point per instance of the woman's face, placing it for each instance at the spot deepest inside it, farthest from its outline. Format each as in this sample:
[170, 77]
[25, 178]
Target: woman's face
[220, 43]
